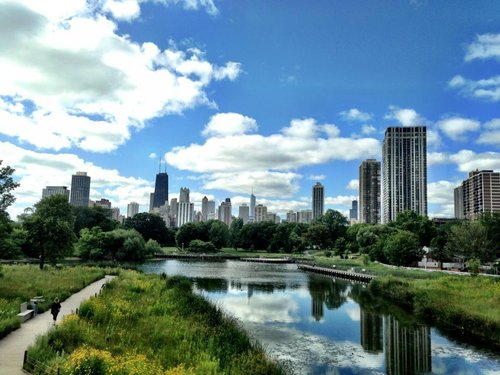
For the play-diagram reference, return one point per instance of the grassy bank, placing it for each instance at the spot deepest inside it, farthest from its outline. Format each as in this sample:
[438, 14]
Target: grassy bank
[467, 304]
[20, 283]
[147, 324]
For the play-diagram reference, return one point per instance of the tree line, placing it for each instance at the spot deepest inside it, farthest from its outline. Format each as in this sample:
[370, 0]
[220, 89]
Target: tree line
[53, 229]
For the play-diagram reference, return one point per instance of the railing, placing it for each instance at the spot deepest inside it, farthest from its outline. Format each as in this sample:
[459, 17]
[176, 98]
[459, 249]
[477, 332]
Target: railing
[34, 367]
[361, 277]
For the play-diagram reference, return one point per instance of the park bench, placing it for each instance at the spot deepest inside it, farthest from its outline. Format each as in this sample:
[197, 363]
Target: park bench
[25, 313]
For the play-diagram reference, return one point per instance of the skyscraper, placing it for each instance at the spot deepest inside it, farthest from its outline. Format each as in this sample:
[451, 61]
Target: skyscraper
[252, 208]
[132, 209]
[225, 212]
[243, 213]
[161, 190]
[478, 194]
[184, 194]
[80, 189]
[353, 212]
[404, 159]
[369, 192]
[204, 209]
[318, 200]
[53, 190]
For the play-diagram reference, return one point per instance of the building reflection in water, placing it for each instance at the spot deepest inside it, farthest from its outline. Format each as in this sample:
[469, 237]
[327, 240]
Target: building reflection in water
[371, 326]
[407, 349]
[326, 291]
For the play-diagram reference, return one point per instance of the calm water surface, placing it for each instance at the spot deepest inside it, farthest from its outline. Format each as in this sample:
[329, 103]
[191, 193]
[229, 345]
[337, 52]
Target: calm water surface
[321, 325]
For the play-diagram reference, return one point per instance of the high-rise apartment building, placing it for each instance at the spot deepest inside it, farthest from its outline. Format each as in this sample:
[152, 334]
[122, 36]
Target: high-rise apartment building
[184, 194]
[204, 209]
[211, 210]
[260, 213]
[244, 213]
[225, 212]
[132, 209]
[80, 190]
[353, 212]
[160, 196]
[478, 194]
[404, 160]
[53, 190]
[103, 203]
[305, 216]
[369, 192]
[318, 200]
[185, 213]
[291, 217]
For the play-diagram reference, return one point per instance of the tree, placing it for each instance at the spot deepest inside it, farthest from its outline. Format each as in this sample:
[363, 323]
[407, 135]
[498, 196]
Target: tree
[91, 245]
[281, 238]
[336, 224]
[257, 236]
[491, 221]
[90, 217]
[9, 248]
[150, 226]
[7, 184]
[318, 236]
[218, 234]
[202, 247]
[50, 228]
[371, 240]
[420, 225]
[470, 239]
[235, 233]
[402, 248]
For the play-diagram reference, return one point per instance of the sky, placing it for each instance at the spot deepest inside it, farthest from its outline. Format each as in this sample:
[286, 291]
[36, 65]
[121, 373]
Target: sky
[240, 96]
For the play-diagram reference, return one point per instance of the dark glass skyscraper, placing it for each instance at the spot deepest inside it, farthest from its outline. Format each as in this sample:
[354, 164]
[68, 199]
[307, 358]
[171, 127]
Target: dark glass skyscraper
[80, 190]
[161, 190]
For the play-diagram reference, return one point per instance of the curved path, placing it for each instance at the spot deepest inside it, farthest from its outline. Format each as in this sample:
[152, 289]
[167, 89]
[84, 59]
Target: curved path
[13, 345]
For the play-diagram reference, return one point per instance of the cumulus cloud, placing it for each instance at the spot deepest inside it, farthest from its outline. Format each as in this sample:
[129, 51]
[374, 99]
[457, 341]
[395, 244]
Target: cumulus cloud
[152, 155]
[486, 46]
[405, 116]
[226, 124]
[341, 200]
[68, 74]
[368, 129]
[437, 158]
[235, 162]
[36, 170]
[441, 194]
[355, 114]
[486, 89]
[492, 135]
[353, 185]
[456, 127]
[468, 160]
[316, 177]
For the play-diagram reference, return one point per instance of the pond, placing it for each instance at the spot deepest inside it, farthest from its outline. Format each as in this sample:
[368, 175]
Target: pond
[321, 325]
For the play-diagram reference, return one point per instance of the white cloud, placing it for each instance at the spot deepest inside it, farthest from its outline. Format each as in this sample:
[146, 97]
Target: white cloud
[368, 129]
[492, 135]
[238, 162]
[125, 10]
[468, 160]
[341, 200]
[226, 124]
[152, 155]
[486, 46]
[36, 170]
[405, 116]
[433, 138]
[437, 158]
[317, 177]
[441, 194]
[353, 185]
[355, 114]
[456, 127]
[486, 89]
[118, 84]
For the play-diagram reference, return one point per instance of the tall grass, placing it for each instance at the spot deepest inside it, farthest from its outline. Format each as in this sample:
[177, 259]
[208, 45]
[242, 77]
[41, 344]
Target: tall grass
[20, 283]
[161, 323]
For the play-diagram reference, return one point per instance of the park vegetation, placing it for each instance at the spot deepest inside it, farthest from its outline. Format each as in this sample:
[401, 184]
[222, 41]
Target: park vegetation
[175, 332]
[20, 283]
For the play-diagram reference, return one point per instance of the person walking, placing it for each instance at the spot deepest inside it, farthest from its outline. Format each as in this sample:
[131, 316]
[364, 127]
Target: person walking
[55, 308]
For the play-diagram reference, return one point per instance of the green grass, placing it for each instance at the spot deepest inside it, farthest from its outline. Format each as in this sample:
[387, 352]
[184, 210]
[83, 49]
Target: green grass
[154, 324]
[20, 283]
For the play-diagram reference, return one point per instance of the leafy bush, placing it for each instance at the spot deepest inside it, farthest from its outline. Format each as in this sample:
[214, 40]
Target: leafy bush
[198, 246]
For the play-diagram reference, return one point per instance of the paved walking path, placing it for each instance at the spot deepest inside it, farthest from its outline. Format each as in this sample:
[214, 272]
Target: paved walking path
[13, 345]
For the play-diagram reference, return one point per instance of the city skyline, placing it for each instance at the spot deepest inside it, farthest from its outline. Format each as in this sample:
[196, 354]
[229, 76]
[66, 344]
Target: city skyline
[232, 101]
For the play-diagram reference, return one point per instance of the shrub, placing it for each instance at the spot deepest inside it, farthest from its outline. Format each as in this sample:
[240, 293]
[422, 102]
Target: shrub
[198, 246]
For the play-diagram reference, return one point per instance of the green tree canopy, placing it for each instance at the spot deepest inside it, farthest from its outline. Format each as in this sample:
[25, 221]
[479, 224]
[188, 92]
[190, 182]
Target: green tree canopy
[318, 235]
[90, 217]
[7, 184]
[336, 224]
[235, 233]
[151, 226]
[50, 228]
[218, 234]
[491, 221]
[402, 248]
[470, 239]
[420, 225]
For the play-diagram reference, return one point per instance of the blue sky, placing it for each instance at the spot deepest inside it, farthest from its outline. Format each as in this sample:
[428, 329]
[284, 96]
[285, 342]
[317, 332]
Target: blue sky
[240, 95]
